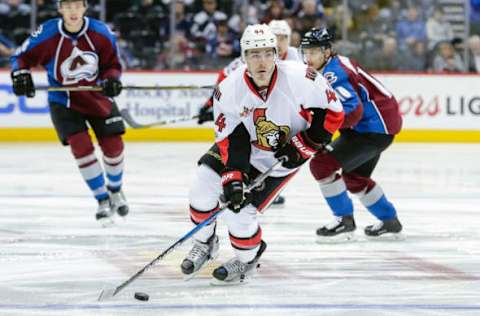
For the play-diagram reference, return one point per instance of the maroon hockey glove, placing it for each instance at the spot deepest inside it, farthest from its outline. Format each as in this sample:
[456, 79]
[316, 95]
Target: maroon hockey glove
[296, 151]
[232, 182]
[111, 87]
[22, 83]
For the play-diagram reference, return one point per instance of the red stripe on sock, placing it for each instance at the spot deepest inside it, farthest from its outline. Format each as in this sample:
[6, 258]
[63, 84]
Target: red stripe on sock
[198, 216]
[247, 243]
[85, 165]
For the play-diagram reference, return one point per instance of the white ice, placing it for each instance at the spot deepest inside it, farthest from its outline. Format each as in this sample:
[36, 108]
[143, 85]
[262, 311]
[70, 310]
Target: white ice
[55, 259]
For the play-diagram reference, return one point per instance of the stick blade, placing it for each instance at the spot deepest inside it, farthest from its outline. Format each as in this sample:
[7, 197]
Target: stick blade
[130, 121]
[106, 294]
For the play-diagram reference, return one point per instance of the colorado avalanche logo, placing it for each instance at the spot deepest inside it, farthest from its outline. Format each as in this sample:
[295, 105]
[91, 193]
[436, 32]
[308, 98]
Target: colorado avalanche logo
[331, 77]
[80, 65]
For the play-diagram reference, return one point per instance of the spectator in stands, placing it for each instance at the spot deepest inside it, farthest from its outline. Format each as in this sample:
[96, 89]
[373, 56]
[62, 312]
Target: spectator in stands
[438, 29]
[474, 48]
[224, 43]
[183, 21]
[386, 59]
[276, 11]
[410, 30]
[309, 17]
[204, 22]
[474, 16]
[415, 58]
[447, 60]
[127, 59]
[376, 30]
[144, 8]
[14, 7]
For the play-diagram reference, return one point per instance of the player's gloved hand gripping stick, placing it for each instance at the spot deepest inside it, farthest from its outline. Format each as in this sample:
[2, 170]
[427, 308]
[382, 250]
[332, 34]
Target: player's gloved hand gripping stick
[109, 293]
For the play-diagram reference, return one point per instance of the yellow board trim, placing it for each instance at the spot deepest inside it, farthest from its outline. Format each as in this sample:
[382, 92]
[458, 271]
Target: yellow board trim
[206, 135]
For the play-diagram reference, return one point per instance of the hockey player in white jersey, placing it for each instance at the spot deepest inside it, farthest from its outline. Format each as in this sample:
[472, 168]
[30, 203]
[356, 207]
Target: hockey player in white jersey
[264, 111]
[283, 33]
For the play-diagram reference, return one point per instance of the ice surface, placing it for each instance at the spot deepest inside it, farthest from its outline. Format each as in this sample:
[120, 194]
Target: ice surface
[55, 259]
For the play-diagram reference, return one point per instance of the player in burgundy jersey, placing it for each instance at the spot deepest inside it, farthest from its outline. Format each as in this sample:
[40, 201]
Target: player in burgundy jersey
[79, 51]
[372, 119]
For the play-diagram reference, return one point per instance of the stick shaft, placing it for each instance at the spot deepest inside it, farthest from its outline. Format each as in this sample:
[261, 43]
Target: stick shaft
[99, 89]
[136, 125]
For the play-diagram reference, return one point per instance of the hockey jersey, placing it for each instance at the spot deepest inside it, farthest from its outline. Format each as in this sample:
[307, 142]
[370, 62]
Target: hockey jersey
[357, 88]
[73, 60]
[283, 111]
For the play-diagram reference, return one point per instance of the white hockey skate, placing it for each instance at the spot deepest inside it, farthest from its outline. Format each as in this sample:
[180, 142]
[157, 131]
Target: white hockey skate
[236, 272]
[199, 257]
[340, 230]
[105, 213]
[119, 203]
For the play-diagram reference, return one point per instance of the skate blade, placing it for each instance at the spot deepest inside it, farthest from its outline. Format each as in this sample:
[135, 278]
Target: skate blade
[106, 222]
[338, 239]
[244, 279]
[236, 282]
[387, 237]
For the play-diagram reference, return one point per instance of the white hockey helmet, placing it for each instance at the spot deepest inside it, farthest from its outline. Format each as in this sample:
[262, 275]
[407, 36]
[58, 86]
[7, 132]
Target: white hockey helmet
[280, 27]
[257, 36]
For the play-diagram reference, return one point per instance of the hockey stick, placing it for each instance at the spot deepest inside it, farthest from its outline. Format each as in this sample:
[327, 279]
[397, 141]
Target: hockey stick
[134, 124]
[109, 293]
[99, 89]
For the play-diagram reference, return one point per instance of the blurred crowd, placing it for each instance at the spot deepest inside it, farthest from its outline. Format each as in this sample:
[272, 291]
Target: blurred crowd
[384, 35]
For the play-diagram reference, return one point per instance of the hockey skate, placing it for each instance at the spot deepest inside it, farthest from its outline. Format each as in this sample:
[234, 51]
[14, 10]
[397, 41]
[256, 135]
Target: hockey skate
[341, 229]
[386, 230]
[235, 272]
[119, 203]
[104, 213]
[199, 256]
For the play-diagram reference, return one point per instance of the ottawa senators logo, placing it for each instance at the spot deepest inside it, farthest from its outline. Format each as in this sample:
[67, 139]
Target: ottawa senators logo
[269, 135]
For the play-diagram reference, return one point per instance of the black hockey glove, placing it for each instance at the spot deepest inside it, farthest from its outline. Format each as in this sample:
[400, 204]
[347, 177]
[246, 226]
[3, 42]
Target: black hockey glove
[296, 151]
[22, 83]
[111, 87]
[233, 193]
[206, 112]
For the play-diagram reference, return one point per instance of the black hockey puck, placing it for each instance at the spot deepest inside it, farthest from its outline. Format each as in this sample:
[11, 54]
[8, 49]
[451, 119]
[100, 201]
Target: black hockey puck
[141, 296]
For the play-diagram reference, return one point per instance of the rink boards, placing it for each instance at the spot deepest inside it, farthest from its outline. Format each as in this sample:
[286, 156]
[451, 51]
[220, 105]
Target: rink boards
[435, 108]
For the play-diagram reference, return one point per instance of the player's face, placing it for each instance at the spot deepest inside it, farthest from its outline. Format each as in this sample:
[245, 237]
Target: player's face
[72, 13]
[260, 64]
[282, 43]
[315, 57]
